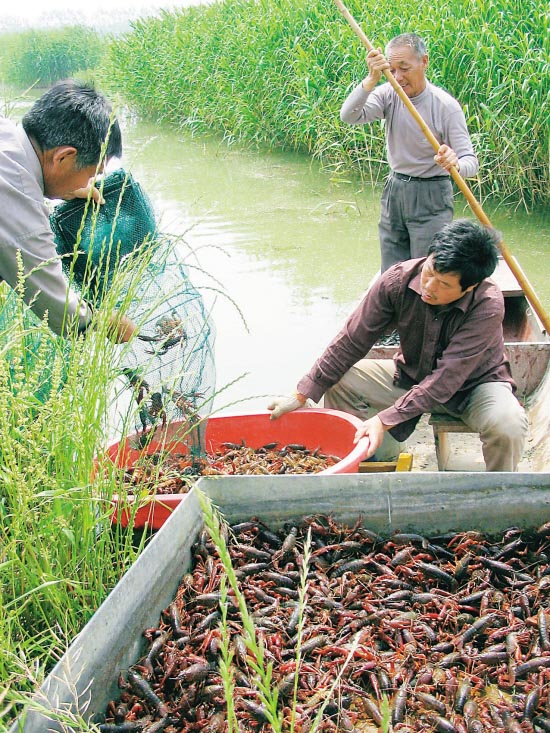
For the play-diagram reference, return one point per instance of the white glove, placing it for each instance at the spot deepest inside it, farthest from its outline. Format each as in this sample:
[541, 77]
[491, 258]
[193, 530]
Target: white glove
[281, 405]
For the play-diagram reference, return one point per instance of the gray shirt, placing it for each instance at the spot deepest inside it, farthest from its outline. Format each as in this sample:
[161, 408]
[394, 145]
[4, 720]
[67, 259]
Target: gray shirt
[443, 353]
[25, 227]
[409, 151]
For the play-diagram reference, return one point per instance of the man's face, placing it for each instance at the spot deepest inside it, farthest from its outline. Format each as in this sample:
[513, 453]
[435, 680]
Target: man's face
[408, 70]
[438, 288]
[61, 175]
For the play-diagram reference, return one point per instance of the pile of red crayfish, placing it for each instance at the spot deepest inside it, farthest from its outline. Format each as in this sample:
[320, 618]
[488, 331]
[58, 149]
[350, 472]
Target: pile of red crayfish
[172, 473]
[446, 634]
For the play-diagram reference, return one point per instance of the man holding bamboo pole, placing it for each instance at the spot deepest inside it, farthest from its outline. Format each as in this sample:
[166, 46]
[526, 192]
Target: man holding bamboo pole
[418, 196]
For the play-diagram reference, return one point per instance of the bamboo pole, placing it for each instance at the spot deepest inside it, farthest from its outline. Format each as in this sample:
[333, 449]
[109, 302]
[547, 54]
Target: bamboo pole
[460, 182]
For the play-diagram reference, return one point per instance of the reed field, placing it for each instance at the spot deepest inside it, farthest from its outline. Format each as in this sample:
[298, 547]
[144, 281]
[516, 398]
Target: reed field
[41, 57]
[276, 73]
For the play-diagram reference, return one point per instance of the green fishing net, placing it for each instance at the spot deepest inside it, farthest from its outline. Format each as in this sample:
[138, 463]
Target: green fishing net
[167, 373]
[93, 238]
[169, 368]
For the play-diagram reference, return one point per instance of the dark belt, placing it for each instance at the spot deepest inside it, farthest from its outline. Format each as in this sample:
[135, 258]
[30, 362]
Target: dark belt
[403, 177]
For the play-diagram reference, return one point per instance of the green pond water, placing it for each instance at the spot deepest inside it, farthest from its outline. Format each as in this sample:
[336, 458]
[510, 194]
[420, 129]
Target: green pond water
[292, 247]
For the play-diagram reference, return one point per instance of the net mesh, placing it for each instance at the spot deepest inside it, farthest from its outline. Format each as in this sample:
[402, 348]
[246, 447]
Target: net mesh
[169, 369]
[29, 351]
[170, 366]
[93, 239]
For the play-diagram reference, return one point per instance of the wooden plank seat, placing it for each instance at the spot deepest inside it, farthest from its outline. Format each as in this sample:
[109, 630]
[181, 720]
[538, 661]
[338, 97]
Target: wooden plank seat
[442, 425]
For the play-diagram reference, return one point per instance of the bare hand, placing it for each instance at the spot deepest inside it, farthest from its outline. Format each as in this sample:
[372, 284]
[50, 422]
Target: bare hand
[374, 430]
[377, 63]
[83, 193]
[120, 329]
[446, 158]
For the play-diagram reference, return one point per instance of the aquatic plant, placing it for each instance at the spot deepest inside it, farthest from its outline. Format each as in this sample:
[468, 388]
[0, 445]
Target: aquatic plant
[59, 557]
[268, 694]
[44, 56]
[60, 553]
[276, 73]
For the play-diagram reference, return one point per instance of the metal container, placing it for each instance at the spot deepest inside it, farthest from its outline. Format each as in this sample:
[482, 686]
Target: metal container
[85, 679]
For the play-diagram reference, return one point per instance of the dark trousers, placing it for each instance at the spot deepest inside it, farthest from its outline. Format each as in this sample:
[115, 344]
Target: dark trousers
[411, 212]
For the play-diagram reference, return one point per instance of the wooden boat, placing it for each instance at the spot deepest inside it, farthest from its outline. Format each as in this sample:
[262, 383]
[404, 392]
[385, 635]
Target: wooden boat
[526, 341]
[528, 349]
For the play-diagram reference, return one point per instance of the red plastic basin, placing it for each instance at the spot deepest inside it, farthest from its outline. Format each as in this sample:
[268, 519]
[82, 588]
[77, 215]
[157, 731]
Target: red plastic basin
[330, 431]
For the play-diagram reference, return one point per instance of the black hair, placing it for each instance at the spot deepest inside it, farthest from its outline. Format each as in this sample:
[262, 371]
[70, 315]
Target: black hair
[467, 249]
[417, 44]
[73, 113]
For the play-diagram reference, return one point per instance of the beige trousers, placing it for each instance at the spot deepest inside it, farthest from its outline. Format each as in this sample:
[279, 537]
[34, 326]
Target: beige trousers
[492, 411]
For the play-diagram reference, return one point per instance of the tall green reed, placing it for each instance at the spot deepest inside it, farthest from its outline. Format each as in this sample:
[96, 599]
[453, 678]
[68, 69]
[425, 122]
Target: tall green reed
[60, 552]
[43, 56]
[267, 694]
[276, 74]
[60, 555]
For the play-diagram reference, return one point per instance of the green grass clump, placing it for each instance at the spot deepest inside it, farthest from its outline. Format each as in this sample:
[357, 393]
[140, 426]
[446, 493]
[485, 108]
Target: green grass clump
[60, 554]
[276, 74]
[42, 57]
